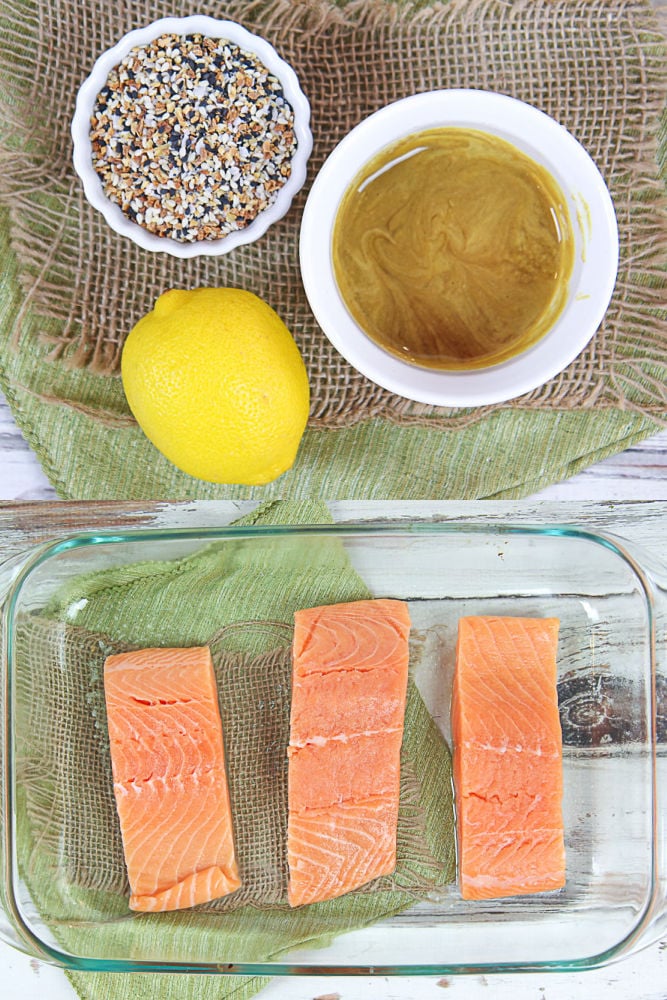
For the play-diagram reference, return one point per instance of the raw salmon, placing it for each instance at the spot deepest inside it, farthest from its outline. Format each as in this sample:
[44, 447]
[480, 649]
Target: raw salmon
[169, 777]
[350, 672]
[508, 757]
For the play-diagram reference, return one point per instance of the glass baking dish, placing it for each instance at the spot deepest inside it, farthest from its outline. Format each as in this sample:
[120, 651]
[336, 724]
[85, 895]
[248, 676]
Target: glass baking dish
[610, 599]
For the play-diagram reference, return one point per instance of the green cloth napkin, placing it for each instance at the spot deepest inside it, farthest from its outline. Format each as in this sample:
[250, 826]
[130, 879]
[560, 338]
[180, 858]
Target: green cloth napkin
[152, 602]
[511, 454]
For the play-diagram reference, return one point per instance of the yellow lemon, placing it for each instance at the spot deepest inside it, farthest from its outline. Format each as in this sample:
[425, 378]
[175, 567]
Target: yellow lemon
[218, 385]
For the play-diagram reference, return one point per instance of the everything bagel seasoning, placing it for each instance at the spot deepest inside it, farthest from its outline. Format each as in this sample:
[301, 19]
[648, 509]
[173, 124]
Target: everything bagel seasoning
[192, 137]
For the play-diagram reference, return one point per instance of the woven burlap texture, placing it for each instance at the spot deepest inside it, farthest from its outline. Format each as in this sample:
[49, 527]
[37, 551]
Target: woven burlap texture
[65, 764]
[597, 66]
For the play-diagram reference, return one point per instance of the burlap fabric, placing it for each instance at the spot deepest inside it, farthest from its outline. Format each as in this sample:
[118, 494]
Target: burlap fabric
[64, 764]
[183, 601]
[598, 66]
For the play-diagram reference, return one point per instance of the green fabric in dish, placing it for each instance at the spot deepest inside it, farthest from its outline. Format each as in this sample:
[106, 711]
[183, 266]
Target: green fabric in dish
[152, 602]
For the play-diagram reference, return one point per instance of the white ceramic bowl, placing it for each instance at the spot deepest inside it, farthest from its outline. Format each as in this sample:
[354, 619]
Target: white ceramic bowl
[593, 221]
[211, 28]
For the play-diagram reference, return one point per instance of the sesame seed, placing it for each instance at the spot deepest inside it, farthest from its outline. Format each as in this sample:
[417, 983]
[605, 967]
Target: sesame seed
[192, 137]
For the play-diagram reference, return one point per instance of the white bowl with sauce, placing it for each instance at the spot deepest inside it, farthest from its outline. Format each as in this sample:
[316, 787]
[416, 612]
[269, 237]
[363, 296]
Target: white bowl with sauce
[592, 225]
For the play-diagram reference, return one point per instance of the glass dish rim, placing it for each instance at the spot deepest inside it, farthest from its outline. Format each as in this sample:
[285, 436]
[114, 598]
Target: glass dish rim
[79, 539]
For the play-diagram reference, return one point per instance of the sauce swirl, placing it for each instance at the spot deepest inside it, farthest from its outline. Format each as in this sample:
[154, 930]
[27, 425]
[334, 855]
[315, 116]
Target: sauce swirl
[453, 249]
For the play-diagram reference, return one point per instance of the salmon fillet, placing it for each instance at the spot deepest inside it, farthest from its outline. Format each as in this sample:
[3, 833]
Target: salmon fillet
[350, 672]
[508, 757]
[170, 782]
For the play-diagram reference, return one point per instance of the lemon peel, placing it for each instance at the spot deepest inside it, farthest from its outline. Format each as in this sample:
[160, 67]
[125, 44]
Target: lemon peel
[216, 382]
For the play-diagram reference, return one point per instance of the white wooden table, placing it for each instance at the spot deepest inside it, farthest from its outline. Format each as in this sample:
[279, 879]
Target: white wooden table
[640, 977]
[640, 473]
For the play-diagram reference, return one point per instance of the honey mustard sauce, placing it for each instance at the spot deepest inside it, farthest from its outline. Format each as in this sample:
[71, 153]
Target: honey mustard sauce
[452, 249]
